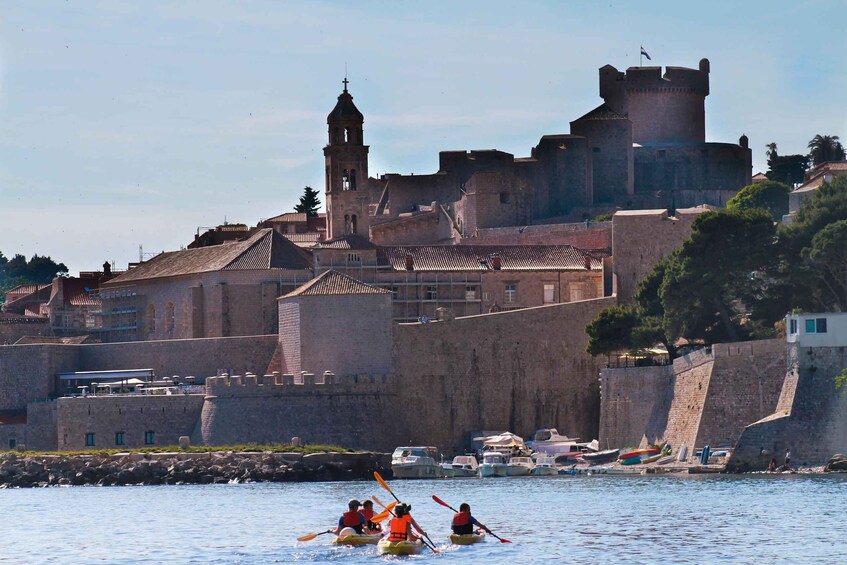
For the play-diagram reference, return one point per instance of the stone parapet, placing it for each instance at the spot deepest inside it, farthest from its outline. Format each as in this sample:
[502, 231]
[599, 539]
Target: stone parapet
[276, 384]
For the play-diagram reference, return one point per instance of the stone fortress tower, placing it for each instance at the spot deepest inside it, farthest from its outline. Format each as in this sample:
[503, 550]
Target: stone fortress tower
[346, 170]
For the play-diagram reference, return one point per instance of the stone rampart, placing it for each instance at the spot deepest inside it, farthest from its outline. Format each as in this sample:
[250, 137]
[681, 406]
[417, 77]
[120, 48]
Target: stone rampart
[519, 370]
[633, 400]
[810, 420]
[346, 410]
[167, 417]
[27, 372]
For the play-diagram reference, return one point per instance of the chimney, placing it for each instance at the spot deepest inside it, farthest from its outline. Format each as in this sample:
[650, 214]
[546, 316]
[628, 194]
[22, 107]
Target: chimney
[107, 268]
[496, 263]
[587, 263]
[410, 262]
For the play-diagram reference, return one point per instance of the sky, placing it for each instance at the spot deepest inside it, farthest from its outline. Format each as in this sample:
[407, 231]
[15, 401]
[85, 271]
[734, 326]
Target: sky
[128, 124]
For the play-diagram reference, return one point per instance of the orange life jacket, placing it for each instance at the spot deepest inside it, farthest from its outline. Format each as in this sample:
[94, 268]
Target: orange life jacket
[368, 513]
[461, 518]
[398, 526]
[352, 519]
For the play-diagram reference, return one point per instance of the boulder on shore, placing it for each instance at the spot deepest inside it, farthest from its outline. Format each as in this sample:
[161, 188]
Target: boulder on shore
[837, 463]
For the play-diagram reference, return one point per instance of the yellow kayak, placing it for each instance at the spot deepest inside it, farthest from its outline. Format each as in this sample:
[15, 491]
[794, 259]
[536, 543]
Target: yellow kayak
[357, 540]
[385, 547]
[466, 539]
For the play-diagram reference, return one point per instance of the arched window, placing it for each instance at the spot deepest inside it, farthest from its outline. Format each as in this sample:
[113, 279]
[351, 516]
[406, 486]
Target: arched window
[353, 223]
[346, 224]
[170, 318]
[345, 180]
[150, 319]
[352, 179]
[347, 135]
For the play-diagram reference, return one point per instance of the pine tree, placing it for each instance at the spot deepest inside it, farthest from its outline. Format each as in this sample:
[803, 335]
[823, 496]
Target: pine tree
[309, 202]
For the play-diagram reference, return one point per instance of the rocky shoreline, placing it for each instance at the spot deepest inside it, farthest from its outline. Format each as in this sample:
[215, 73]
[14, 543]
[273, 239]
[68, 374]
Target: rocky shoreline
[28, 471]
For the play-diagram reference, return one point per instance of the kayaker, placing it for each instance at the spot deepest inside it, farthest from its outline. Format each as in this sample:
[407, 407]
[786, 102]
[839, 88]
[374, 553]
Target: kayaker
[463, 522]
[351, 519]
[400, 527]
[368, 512]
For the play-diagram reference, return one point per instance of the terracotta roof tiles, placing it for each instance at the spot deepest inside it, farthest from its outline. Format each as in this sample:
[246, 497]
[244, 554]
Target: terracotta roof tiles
[332, 283]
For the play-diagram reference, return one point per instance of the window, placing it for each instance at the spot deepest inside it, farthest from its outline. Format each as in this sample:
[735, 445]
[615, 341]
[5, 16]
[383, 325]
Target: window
[170, 318]
[353, 227]
[345, 180]
[432, 293]
[151, 318]
[149, 437]
[504, 198]
[511, 293]
[596, 150]
[395, 292]
[354, 258]
[120, 438]
[793, 326]
[576, 293]
[352, 179]
[816, 326]
[549, 294]
[89, 439]
[13, 443]
[470, 293]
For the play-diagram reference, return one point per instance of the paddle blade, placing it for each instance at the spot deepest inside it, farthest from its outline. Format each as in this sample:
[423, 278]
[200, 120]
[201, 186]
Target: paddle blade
[308, 537]
[504, 540]
[381, 481]
[381, 516]
[378, 501]
[442, 503]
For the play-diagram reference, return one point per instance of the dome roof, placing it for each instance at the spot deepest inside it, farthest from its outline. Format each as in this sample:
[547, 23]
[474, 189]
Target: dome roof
[345, 110]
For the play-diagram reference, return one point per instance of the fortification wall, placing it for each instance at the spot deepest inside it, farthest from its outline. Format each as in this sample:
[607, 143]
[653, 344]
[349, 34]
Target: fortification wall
[633, 400]
[702, 166]
[355, 411]
[27, 372]
[196, 357]
[744, 387]
[815, 426]
[639, 240]
[518, 370]
[598, 235]
[168, 417]
[41, 426]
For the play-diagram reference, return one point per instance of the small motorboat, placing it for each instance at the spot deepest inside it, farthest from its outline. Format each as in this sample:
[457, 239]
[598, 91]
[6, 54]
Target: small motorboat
[600, 456]
[519, 466]
[466, 539]
[545, 465]
[348, 536]
[415, 462]
[464, 466]
[548, 440]
[493, 464]
[651, 458]
[634, 460]
[385, 547]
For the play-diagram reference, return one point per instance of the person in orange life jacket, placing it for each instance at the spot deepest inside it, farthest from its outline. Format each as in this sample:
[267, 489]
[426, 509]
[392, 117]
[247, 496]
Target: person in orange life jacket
[400, 527]
[351, 519]
[463, 522]
[368, 513]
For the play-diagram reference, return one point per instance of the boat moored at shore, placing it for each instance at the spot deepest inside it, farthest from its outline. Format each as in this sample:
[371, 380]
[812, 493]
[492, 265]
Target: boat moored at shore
[415, 462]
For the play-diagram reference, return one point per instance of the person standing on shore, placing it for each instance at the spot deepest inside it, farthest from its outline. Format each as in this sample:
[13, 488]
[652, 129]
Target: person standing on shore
[788, 459]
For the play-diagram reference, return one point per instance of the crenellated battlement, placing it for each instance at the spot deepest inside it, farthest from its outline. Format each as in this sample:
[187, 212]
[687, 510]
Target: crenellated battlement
[276, 384]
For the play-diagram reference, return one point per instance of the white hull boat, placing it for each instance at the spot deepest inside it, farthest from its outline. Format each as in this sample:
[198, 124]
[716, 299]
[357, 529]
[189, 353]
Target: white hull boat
[493, 464]
[545, 466]
[519, 466]
[415, 462]
[464, 466]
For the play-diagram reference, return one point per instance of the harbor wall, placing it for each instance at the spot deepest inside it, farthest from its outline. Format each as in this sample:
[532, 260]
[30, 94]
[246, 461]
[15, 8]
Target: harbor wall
[704, 398]
[811, 416]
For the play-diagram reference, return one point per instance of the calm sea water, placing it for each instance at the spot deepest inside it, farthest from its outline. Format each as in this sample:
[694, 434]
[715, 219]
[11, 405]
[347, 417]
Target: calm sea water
[705, 519]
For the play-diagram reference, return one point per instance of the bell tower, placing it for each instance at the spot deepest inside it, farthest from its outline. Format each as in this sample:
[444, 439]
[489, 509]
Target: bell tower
[346, 159]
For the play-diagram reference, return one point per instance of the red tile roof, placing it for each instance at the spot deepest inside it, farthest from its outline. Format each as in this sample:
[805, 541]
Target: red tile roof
[265, 249]
[346, 242]
[332, 282]
[478, 257]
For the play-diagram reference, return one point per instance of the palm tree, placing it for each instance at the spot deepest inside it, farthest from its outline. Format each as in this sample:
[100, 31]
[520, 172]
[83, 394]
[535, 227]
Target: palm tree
[771, 152]
[825, 148]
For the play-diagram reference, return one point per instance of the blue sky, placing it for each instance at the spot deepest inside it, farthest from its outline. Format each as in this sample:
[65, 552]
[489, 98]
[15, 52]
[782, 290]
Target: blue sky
[134, 123]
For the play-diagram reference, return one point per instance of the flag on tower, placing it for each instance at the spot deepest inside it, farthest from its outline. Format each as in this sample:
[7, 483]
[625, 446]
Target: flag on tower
[644, 54]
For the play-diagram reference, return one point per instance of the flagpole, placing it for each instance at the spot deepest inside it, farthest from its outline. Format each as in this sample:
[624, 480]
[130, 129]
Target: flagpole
[641, 56]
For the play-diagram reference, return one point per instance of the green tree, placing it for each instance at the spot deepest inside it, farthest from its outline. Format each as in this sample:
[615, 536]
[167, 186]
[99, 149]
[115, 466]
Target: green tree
[651, 328]
[768, 195]
[309, 202]
[825, 148]
[787, 168]
[828, 254]
[611, 330]
[705, 283]
[38, 270]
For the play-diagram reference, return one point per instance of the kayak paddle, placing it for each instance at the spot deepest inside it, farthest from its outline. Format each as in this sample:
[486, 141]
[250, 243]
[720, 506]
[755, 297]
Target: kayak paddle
[384, 485]
[442, 503]
[310, 537]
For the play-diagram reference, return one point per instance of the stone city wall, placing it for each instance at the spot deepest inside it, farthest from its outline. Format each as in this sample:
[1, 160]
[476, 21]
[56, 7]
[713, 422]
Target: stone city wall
[14, 328]
[631, 399]
[27, 372]
[354, 411]
[167, 416]
[519, 370]
[811, 420]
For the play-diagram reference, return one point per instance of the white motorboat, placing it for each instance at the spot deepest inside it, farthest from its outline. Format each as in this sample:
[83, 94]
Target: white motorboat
[545, 466]
[464, 466]
[415, 462]
[519, 466]
[493, 464]
[548, 440]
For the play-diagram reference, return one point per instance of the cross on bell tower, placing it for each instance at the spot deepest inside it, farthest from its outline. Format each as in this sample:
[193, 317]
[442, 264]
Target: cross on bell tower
[346, 159]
